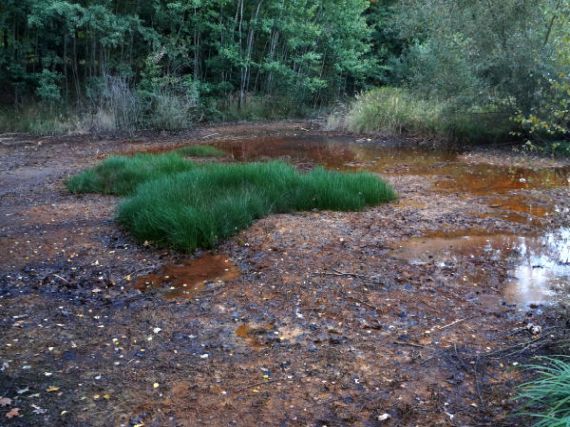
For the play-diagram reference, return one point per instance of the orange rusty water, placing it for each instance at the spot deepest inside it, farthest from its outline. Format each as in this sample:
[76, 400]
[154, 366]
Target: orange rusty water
[188, 279]
[345, 154]
[504, 190]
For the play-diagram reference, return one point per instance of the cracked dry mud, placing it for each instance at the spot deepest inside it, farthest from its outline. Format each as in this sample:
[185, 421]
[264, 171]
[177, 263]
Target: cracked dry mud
[410, 313]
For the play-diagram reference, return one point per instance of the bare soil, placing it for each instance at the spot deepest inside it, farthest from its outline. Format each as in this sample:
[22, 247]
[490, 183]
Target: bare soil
[410, 313]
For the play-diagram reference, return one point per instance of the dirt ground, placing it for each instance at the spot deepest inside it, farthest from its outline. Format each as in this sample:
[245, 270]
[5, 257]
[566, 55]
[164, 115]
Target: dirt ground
[400, 315]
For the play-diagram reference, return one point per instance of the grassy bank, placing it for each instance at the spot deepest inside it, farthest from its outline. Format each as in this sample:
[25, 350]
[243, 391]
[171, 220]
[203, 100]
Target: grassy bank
[176, 203]
[395, 111]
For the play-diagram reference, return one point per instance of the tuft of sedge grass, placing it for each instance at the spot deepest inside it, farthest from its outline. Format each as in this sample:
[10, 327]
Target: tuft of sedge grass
[200, 151]
[546, 399]
[212, 202]
[176, 203]
[120, 175]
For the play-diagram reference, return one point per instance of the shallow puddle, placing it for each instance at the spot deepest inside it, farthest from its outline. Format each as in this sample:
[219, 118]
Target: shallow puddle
[345, 153]
[538, 267]
[188, 279]
[540, 263]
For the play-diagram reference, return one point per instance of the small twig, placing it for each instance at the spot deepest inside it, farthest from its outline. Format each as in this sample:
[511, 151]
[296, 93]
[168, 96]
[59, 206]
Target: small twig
[211, 134]
[140, 270]
[338, 273]
[477, 382]
[451, 324]
[61, 278]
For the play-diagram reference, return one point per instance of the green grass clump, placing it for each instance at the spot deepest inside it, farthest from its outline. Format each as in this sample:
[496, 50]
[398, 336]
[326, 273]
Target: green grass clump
[175, 203]
[120, 175]
[201, 207]
[200, 151]
[547, 398]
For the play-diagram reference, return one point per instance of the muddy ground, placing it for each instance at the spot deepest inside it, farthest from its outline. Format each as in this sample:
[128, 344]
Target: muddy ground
[409, 313]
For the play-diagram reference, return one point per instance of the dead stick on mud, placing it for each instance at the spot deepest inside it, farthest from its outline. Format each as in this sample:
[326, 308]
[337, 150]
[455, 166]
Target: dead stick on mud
[56, 276]
[338, 273]
[451, 324]
[61, 278]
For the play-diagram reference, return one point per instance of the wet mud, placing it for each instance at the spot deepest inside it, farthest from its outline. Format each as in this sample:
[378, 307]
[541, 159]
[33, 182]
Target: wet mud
[418, 312]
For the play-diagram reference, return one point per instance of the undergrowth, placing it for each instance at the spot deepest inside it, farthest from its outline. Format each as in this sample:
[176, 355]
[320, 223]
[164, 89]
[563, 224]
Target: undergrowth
[396, 111]
[547, 398]
[175, 203]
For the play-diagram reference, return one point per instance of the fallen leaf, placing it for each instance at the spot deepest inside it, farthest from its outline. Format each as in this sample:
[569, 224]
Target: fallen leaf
[5, 401]
[52, 389]
[14, 412]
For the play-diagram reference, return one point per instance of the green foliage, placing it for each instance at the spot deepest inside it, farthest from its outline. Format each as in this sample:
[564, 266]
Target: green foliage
[188, 206]
[200, 151]
[509, 56]
[547, 398]
[396, 111]
[48, 89]
[168, 57]
[121, 66]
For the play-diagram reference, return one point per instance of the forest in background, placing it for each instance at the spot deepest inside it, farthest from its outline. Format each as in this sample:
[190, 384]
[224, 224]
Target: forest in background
[468, 70]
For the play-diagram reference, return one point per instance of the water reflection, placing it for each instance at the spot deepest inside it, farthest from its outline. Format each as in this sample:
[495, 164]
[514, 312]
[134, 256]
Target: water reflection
[345, 154]
[539, 266]
[542, 271]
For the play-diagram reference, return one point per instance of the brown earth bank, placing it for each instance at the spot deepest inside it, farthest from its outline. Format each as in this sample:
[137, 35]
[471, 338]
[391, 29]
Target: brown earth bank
[419, 312]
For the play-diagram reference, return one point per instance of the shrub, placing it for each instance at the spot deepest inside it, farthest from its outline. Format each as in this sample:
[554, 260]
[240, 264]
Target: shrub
[547, 398]
[396, 111]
